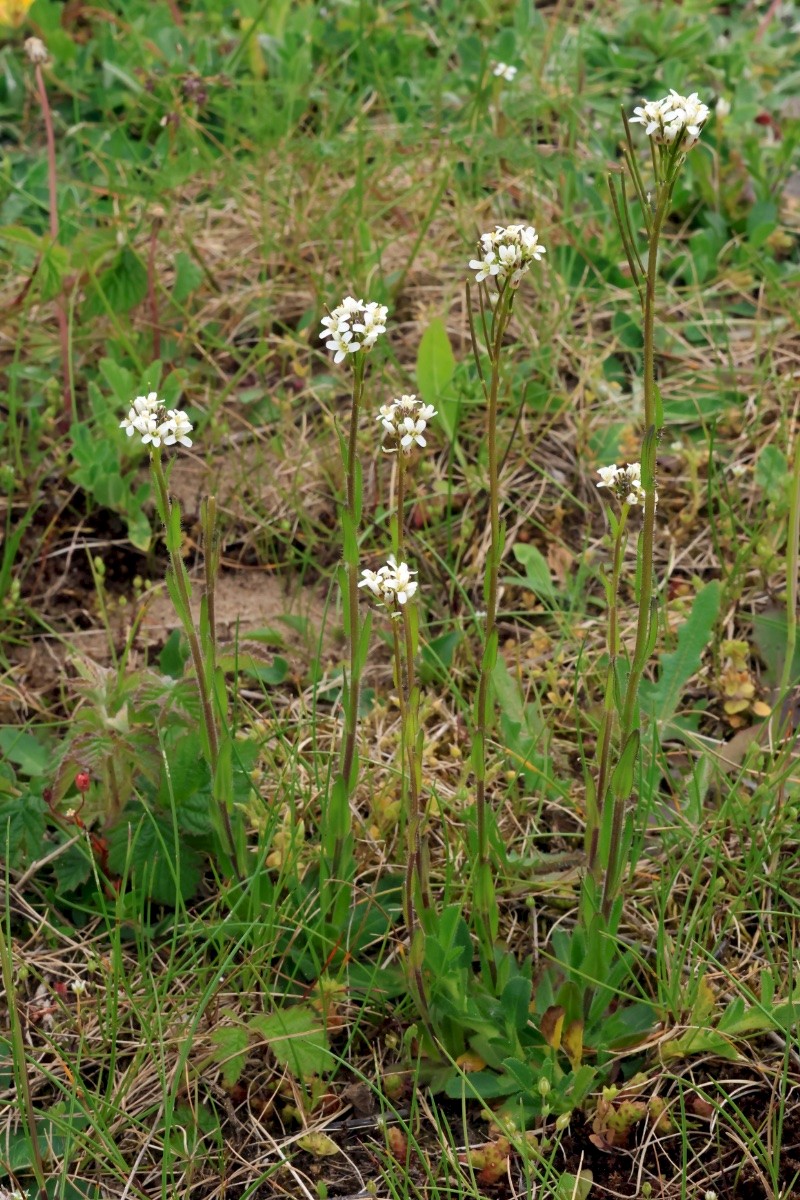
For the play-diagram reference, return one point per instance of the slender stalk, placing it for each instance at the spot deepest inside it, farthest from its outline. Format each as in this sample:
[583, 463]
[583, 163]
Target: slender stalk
[20, 1061]
[484, 900]
[203, 683]
[60, 303]
[646, 606]
[609, 698]
[792, 565]
[353, 514]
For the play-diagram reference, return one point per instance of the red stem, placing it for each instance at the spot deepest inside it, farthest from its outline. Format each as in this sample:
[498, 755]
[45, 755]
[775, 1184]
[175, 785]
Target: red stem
[60, 303]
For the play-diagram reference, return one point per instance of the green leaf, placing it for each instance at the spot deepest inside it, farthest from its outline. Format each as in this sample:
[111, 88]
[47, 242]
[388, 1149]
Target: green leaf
[123, 285]
[297, 1039]
[436, 366]
[230, 1051]
[437, 655]
[537, 573]
[762, 220]
[662, 698]
[772, 472]
[148, 852]
[25, 751]
[22, 826]
[72, 868]
[188, 277]
[573, 1187]
[769, 635]
[174, 654]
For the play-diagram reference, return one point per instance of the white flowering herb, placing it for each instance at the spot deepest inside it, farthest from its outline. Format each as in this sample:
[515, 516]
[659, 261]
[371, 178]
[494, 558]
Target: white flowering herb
[353, 326]
[625, 482]
[404, 421]
[504, 71]
[156, 424]
[391, 584]
[507, 254]
[78, 987]
[674, 120]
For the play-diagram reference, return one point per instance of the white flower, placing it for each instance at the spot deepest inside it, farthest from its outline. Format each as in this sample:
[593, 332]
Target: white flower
[15, 1194]
[155, 424]
[78, 986]
[625, 482]
[672, 119]
[177, 426]
[405, 420]
[607, 476]
[391, 583]
[507, 253]
[504, 71]
[353, 326]
[723, 108]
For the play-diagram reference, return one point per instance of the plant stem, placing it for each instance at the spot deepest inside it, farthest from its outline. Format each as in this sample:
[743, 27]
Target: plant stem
[351, 599]
[60, 304]
[205, 681]
[484, 902]
[646, 616]
[609, 697]
[20, 1061]
[792, 564]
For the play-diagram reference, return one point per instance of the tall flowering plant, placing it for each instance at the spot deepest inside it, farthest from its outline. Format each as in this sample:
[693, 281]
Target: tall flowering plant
[159, 427]
[506, 255]
[673, 125]
[350, 331]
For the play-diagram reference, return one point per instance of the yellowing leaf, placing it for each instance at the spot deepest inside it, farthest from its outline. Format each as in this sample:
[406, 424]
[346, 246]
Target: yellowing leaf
[573, 1043]
[551, 1024]
[469, 1061]
[318, 1144]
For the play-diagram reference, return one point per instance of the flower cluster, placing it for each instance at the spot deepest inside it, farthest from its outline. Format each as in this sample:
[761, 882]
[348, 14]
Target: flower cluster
[353, 326]
[391, 583]
[672, 119]
[625, 482]
[156, 423]
[507, 253]
[405, 421]
[504, 71]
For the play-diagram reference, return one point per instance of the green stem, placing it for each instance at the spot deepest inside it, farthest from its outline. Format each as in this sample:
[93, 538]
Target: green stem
[185, 614]
[351, 569]
[484, 898]
[792, 563]
[645, 617]
[20, 1061]
[609, 698]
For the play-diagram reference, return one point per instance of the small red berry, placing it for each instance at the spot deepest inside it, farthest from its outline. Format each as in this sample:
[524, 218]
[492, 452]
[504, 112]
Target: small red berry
[83, 781]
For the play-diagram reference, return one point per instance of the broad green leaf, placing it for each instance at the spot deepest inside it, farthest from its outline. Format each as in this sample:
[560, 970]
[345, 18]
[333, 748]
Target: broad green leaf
[769, 635]
[436, 366]
[188, 276]
[230, 1051]
[147, 851]
[297, 1039]
[573, 1187]
[120, 288]
[537, 572]
[22, 825]
[662, 698]
[26, 752]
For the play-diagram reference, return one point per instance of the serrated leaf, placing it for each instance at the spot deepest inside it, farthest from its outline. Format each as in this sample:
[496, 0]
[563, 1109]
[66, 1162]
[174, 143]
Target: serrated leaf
[72, 868]
[25, 751]
[146, 849]
[297, 1039]
[188, 276]
[22, 826]
[230, 1051]
[121, 287]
